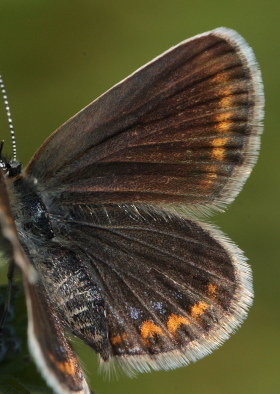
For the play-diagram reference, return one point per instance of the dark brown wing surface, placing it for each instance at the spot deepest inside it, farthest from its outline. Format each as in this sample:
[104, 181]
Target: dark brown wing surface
[183, 129]
[174, 289]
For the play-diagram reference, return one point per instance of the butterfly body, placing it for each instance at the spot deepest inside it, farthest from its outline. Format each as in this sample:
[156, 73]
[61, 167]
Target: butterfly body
[105, 215]
[65, 276]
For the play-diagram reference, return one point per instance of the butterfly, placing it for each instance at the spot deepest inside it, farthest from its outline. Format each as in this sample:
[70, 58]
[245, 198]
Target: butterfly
[106, 220]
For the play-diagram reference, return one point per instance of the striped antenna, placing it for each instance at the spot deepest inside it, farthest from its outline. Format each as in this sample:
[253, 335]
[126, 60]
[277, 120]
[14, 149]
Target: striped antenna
[12, 131]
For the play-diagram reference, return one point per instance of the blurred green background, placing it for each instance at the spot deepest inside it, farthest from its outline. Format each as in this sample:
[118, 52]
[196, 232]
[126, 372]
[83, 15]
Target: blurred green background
[57, 56]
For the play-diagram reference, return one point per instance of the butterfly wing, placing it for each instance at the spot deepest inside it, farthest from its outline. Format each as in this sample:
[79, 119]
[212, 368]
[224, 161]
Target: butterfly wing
[184, 129]
[9, 232]
[47, 340]
[50, 346]
[175, 289]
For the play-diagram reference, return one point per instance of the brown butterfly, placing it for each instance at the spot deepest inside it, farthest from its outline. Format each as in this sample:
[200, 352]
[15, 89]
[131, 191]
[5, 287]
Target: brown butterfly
[104, 220]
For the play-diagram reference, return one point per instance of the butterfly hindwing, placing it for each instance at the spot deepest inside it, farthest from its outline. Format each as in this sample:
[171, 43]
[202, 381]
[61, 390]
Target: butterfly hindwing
[166, 281]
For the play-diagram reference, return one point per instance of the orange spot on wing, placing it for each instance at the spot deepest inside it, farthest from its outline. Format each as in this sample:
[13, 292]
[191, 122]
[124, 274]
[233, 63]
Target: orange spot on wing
[224, 126]
[228, 101]
[68, 367]
[224, 119]
[150, 329]
[175, 321]
[212, 291]
[118, 339]
[219, 149]
[218, 154]
[220, 142]
[199, 309]
[221, 78]
[210, 178]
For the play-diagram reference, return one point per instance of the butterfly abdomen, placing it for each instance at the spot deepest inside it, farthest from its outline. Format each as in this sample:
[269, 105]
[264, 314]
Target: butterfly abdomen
[81, 311]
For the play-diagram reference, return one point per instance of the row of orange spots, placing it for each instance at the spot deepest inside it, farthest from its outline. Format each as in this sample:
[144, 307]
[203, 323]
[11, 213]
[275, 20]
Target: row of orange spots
[227, 102]
[225, 123]
[68, 367]
[149, 329]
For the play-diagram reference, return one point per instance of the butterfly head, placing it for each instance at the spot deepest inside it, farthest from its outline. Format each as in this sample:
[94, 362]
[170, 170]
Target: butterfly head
[12, 167]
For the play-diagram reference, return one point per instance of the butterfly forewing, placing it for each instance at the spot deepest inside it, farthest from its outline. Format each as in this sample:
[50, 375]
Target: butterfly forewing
[9, 231]
[50, 346]
[182, 129]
